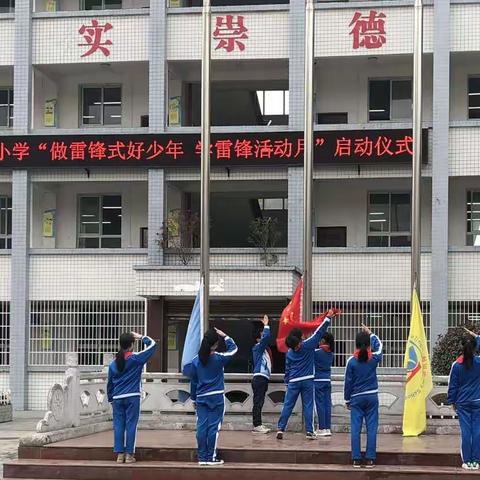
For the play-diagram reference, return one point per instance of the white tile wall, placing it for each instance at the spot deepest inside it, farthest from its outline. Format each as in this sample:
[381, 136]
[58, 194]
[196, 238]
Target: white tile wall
[464, 275]
[5, 277]
[465, 35]
[464, 151]
[7, 34]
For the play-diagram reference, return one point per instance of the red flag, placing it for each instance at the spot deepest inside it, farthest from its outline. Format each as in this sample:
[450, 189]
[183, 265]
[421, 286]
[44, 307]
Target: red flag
[291, 319]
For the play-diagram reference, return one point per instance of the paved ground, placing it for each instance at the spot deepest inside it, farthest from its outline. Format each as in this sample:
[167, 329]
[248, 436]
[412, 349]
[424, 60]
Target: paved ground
[23, 423]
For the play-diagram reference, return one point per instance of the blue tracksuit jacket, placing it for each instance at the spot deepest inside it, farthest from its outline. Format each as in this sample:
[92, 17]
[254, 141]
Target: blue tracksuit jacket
[300, 364]
[128, 383]
[262, 365]
[323, 365]
[361, 377]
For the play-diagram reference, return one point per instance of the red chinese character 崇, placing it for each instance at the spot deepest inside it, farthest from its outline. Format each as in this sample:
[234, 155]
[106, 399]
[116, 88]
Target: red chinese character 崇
[175, 149]
[20, 150]
[344, 147]
[116, 150]
[224, 149]
[263, 148]
[382, 146]
[243, 149]
[4, 152]
[229, 33]
[154, 150]
[97, 150]
[363, 147]
[92, 34]
[404, 145]
[282, 148]
[135, 150]
[368, 30]
[58, 151]
[77, 150]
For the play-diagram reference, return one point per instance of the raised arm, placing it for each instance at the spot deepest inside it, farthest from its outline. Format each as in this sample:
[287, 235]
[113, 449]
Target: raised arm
[232, 348]
[265, 338]
[313, 341]
[145, 355]
[377, 347]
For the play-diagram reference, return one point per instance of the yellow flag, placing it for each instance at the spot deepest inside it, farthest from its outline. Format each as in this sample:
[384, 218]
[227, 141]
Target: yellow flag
[419, 375]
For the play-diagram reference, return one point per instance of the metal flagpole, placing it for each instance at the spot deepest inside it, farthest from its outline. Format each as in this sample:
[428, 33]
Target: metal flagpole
[417, 144]
[205, 165]
[308, 162]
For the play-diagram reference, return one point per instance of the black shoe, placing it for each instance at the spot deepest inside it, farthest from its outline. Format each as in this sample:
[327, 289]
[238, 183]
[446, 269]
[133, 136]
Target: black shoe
[357, 464]
[370, 464]
[217, 461]
[311, 436]
[279, 435]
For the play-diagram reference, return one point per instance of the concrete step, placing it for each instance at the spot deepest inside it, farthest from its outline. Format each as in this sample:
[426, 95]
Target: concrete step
[88, 470]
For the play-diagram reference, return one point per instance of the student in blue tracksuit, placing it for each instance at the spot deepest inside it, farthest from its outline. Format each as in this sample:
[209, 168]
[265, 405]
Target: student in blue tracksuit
[299, 376]
[464, 395]
[323, 385]
[361, 394]
[124, 392]
[262, 369]
[207, 391]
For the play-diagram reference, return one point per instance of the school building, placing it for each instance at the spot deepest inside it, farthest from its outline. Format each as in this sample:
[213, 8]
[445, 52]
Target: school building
[100, 176]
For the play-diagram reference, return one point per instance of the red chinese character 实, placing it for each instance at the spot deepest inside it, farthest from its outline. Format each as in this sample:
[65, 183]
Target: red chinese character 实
[92, 34]
[175, 149]
[116, 151]
[368, 30]
[154, 150]
[4, 152]
[363, 147]
[382, 146]
[135, 150]
[282, 148]
[404, 145]
[229, 33]
[77, 150]
[243, 149]
[21, 150]
[224, 149]
[58, 151]
[344, 147]
[263, 148]
[97, 150]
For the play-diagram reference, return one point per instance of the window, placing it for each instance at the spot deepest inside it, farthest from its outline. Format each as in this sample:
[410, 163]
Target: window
[332, 118]
[101, 4]
[390, 100]
[7, 6]
[331, 236]
[6, 107]
[389, 220]
[5, 222]
[273, 105]
[473, 218]
[474, 97]
[101, 105]
[100, 221]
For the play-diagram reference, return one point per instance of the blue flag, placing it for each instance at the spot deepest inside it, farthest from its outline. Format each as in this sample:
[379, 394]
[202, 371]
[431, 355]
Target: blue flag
[194, 335]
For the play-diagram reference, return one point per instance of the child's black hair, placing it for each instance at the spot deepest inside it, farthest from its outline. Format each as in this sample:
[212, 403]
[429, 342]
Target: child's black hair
[362, 342]
[469, 346]
[209, 340]
[293, 340]
[329, 340]
[126, 342]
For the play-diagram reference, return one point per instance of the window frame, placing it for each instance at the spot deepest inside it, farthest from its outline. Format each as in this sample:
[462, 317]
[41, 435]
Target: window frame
[7, 237]
[82, 6]
[100, 235]
[102, 110]
[10, 8]
[10, 105]
[391, 80]
[388, 234]
[471, 234]
[286, 106]
[477, 76]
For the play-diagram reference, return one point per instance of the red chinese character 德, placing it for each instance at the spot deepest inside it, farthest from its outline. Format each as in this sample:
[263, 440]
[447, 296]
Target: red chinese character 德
[116, 150]
[263, 148]
[363, 147]
[97, 150]
[282, 148]
[77, 150]
[154, 150]
[92, 34]
[243, 149]
[368, 30]
[135, 150]
[175, 149]
[344, 147]
[4, 152]
[229, 33]
[404, 145]
[224, 149]
[20, 150]
[58, 151]
[382, 146]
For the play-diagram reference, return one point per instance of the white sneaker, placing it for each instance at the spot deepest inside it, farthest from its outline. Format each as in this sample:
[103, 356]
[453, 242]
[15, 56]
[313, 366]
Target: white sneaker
[261, 429]
[324, 433]
[465, 466]
[203, 464]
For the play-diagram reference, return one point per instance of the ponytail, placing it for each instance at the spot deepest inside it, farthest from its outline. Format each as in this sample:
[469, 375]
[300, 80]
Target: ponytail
[362, 343]
[126, 342]
[469, 347]
[209, 340]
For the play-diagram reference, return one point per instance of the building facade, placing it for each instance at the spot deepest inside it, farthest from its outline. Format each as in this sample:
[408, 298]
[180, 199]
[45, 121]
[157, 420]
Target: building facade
[100, 180]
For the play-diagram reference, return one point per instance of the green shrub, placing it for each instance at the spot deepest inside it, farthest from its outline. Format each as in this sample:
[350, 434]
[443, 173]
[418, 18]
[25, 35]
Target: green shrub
[448, 348]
